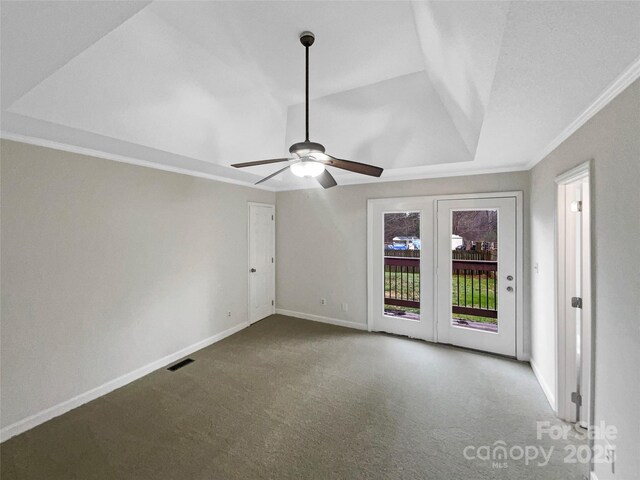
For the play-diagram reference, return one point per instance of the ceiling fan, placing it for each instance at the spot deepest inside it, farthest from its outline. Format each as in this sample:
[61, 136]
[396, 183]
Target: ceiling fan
[308, 159]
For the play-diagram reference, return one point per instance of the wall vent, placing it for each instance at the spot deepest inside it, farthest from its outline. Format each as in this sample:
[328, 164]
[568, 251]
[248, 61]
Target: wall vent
[180, 364]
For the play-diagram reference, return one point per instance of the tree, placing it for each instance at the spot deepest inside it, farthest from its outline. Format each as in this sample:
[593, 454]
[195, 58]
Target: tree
[406, 224]
[475, 225]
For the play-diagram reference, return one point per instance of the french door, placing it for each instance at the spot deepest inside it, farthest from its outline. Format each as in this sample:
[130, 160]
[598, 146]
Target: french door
[445, 269]
[476, 274]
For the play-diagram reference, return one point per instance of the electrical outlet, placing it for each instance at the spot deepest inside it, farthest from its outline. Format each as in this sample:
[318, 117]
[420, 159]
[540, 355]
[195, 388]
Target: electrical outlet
[345, 307]
[323, 301]
[610, 455]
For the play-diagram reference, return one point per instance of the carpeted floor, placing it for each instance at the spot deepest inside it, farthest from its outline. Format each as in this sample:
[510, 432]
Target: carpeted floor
[294, 399]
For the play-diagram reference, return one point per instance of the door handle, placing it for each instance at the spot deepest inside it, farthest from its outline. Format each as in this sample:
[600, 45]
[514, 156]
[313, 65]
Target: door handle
[509, 277]
[509, 289]
[253, 270]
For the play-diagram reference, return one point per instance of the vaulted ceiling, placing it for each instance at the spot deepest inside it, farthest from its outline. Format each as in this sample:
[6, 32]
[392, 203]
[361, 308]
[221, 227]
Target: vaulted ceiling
[419, 88]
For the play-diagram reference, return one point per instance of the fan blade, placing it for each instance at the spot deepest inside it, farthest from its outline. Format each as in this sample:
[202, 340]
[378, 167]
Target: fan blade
[326, 180]
[260, 162]
[272, 175]
[352, 166]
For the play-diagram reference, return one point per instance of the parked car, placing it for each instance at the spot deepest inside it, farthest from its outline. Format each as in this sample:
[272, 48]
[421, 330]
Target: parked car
[405, 243]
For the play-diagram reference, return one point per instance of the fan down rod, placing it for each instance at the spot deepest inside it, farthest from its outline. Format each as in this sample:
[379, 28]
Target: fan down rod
[307, 39]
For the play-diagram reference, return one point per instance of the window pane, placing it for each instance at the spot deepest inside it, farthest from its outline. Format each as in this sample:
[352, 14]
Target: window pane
[474, 269]
[402, 249]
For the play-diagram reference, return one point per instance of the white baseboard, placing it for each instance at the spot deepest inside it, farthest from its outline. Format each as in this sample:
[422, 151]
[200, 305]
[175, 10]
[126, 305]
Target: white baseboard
[318, 318]
[63, 407]
[545, 387]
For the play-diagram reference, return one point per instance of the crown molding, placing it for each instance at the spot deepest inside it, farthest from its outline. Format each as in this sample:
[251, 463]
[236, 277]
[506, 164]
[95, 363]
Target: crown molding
[65, 147]
[406, 176]
[626, 78]
[419, 173]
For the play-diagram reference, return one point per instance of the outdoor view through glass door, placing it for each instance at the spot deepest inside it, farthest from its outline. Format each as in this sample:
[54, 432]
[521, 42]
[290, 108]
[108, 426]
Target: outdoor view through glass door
[402, 265]
[474, 268]
[445, 269]
[477, 274]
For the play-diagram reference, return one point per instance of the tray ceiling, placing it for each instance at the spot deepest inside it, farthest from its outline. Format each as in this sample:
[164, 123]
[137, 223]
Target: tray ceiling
[419, 88]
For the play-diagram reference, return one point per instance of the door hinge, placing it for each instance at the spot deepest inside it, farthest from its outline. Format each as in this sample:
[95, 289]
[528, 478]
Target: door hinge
[576, 302]
[576, 207]
[272, 303]
[272, 217]
[271, 259]
[576, 398]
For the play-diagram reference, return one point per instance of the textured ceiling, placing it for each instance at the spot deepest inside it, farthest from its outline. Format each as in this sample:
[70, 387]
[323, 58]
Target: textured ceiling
[419, 88]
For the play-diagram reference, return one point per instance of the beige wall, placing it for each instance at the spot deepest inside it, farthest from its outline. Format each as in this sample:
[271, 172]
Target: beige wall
[322, 238]
[611, 140]
[107, 267]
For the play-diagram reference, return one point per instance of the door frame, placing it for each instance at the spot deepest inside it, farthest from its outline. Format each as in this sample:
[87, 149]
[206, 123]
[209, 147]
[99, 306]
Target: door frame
[566, 368]
[273, 253]
[521, 353]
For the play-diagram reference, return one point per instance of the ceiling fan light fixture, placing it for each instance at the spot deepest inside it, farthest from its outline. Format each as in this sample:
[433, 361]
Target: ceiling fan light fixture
[305, 149]
[308, 159]
[307, 168]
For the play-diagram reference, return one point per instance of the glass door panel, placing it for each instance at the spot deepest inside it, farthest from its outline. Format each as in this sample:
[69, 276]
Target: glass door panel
[474, 269]
[400, 267]
[401, 271]
[476, 287]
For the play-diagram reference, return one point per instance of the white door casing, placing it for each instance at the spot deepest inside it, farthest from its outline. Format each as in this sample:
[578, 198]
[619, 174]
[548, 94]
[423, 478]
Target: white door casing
[261, 268]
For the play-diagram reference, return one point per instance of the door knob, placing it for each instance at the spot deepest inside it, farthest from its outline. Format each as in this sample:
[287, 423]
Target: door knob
[509, 289]
[509, 277]
[252, 270]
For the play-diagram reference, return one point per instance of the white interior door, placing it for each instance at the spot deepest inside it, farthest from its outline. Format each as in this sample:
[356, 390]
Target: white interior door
[401, 267]
[476, 274]
[261, 261]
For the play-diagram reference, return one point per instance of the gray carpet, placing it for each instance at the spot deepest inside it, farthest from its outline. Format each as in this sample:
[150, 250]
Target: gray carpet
[294, 399]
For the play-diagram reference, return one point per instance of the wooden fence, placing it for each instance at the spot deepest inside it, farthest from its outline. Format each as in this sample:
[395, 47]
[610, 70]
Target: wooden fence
[474, 254]
[455, 254]
[402, 253]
